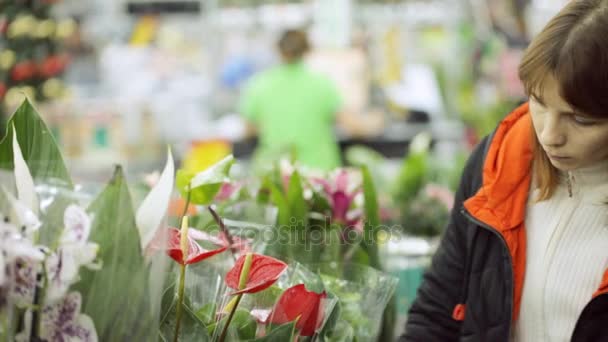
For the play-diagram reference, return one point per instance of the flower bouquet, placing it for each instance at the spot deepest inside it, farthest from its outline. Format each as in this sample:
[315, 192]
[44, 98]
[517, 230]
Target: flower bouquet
[85, 267]
[327, 222]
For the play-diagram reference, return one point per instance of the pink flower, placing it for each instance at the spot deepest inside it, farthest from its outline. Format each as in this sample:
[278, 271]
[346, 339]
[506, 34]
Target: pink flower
[227, 191]
[341, 192]
[441, 194]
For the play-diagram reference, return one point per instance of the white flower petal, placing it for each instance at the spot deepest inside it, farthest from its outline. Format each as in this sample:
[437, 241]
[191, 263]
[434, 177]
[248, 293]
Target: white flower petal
[154, 207]
[23, 178]
[60, 272]
[77, 225]
[87, 253]
[21, 215]
[85, 324]
[23, 248]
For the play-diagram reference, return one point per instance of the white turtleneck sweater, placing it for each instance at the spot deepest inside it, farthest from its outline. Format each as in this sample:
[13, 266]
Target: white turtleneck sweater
[566, 256]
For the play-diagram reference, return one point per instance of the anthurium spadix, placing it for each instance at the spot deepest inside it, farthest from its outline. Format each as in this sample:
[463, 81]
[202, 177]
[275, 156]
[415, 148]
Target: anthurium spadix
[154, 207]
[26, 192]
[201, 188]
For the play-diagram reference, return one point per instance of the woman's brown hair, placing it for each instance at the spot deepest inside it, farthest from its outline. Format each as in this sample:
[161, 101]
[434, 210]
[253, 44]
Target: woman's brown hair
[572, 48]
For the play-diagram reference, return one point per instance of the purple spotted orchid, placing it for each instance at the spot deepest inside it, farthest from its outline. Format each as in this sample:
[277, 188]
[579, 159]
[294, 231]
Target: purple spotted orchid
[342, 190]
[19, 258]
[62, 321]
[25, 265]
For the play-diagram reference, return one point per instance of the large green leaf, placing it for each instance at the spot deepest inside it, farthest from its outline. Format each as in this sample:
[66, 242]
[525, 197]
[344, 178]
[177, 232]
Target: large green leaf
[39, 148]
[117, 297]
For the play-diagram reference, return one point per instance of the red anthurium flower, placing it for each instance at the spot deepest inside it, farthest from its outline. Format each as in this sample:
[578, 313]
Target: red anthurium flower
[239, 245]
[303, 305]
[263, 273]
[196, 253]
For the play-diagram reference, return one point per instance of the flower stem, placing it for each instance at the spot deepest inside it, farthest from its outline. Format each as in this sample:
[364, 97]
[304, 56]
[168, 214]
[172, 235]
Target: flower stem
[187, 205]
[244, 276]
[225, 330]
[223, 228]
[180, 301]
[37, 311]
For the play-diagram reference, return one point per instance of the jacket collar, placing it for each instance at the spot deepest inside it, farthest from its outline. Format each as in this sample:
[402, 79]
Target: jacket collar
[501, 200]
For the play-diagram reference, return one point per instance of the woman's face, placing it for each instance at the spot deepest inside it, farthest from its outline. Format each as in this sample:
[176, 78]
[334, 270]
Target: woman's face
[571, 140]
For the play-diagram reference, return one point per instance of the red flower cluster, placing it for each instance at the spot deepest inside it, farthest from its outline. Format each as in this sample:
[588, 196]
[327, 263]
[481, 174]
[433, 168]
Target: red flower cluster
[51, 66]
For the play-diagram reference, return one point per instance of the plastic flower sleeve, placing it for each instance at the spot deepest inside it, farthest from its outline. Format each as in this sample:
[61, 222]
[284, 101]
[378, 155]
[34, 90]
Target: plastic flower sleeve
[363, 294]
[261, 306]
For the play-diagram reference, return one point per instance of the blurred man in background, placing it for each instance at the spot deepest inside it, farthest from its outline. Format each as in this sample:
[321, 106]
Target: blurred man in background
[293, 109]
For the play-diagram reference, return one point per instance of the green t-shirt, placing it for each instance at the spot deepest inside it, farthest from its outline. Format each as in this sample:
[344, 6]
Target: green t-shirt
[294, 111]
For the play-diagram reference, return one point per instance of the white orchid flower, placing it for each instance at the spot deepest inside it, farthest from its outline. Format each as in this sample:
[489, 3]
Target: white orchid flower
[17, 254]
[74, 251]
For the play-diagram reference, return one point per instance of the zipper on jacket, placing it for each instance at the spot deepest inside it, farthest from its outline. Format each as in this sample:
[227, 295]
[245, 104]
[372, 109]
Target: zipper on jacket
[494, 231]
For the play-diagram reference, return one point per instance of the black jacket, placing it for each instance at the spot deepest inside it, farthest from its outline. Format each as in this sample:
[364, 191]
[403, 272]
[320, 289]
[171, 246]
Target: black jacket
[473, 266]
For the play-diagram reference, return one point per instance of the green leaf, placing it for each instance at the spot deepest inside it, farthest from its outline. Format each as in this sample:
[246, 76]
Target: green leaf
[117, 297]
[297, 204]
[280, 247]
[206, 184]
[280, 201]
[207, 313]
[414, 171]
[191, 328]
[243, 326]
[359, 155]
[372, 219]
[39, 149]
[283, 332]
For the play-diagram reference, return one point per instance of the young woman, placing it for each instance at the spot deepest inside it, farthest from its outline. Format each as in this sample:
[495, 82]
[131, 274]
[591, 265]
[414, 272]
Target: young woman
[525, 255]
